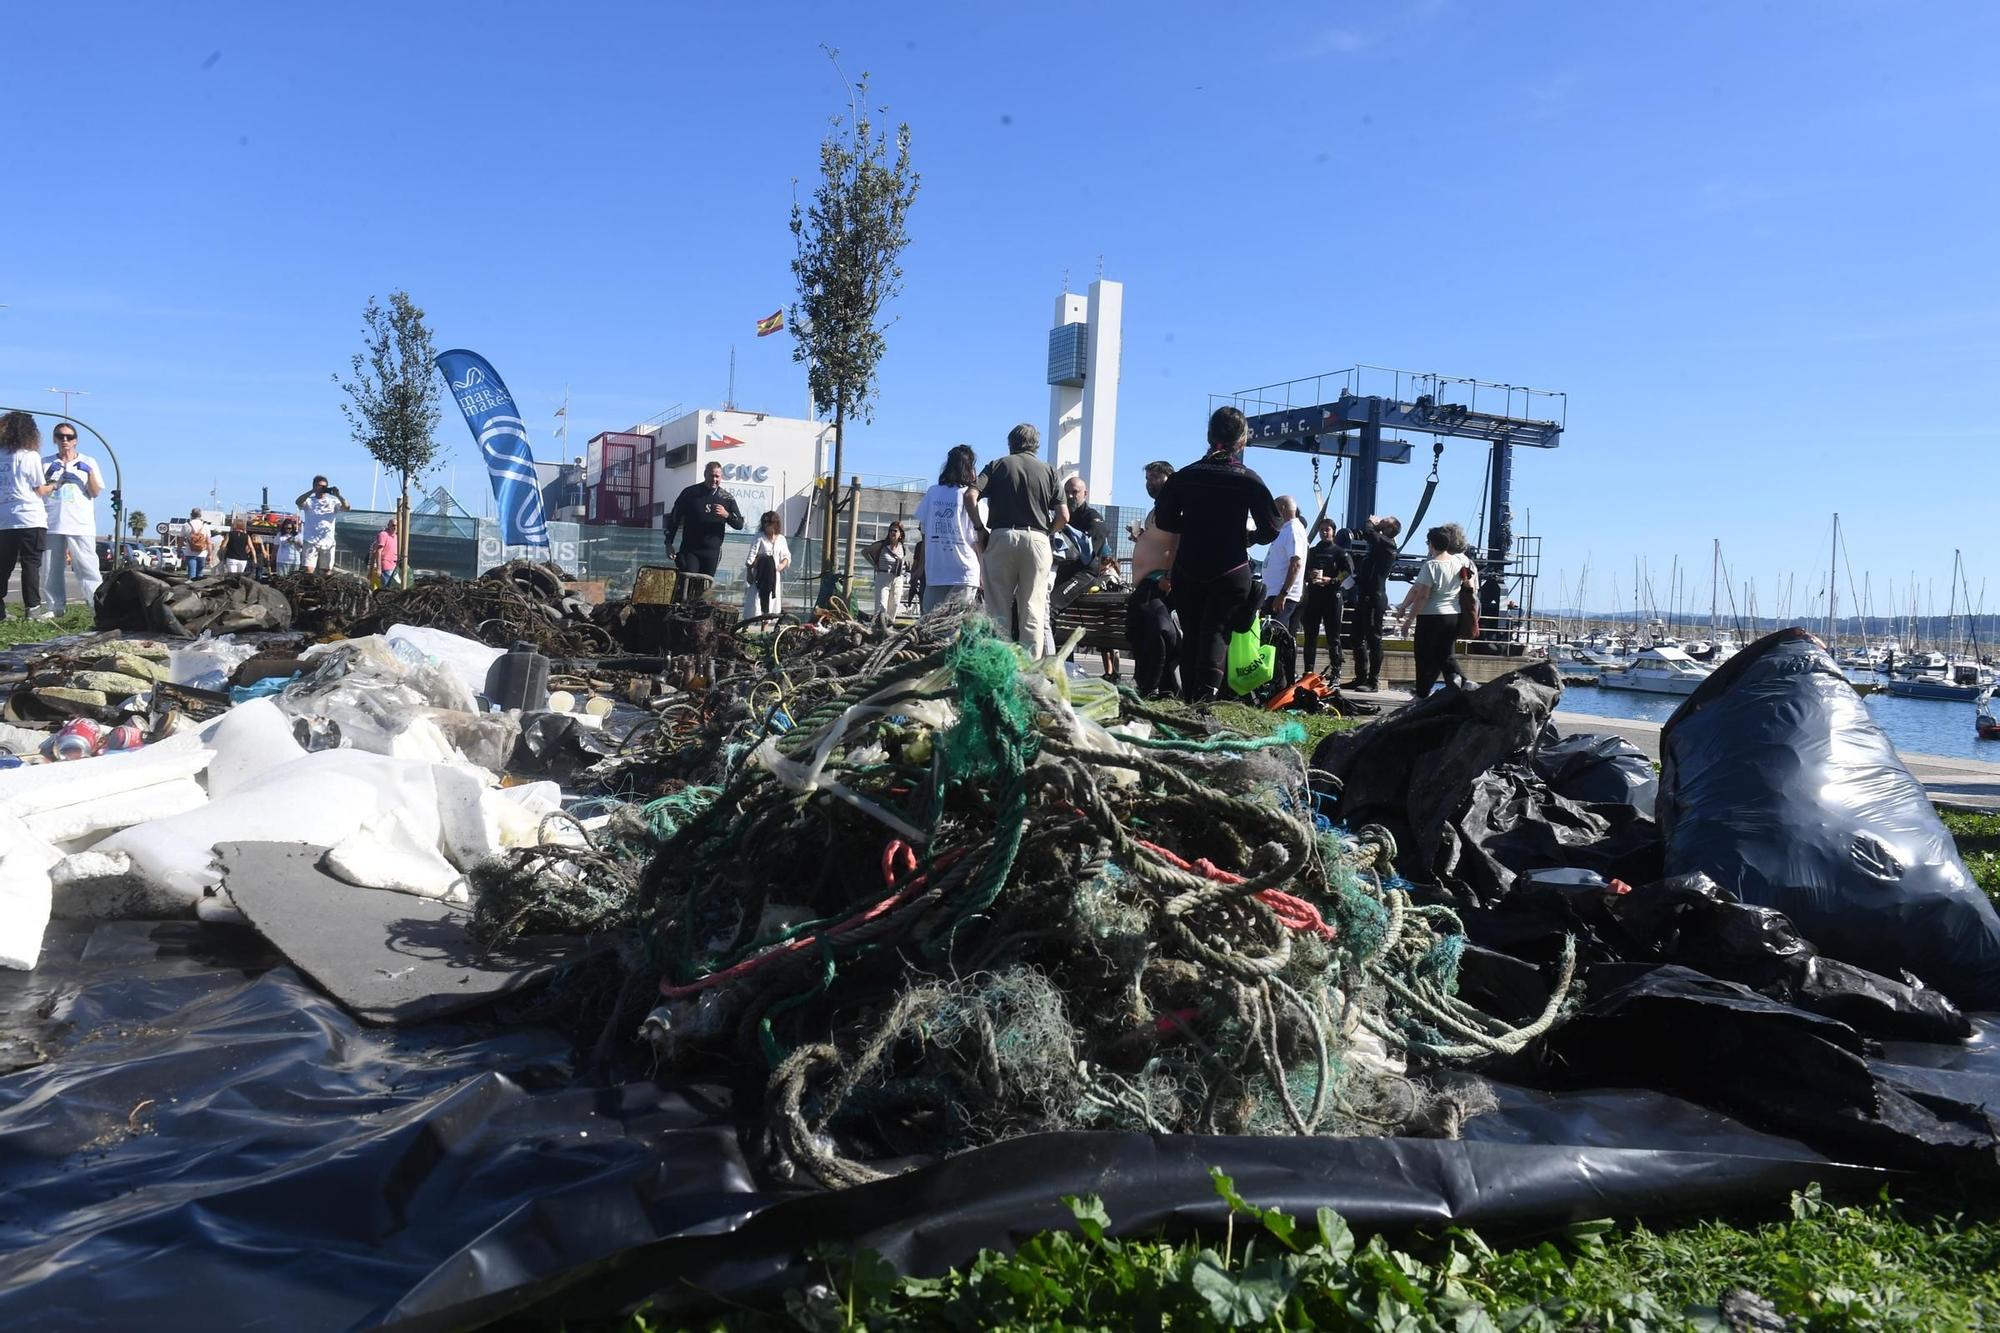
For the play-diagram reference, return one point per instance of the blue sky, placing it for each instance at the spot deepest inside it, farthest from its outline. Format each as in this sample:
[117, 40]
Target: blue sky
[1753, 242]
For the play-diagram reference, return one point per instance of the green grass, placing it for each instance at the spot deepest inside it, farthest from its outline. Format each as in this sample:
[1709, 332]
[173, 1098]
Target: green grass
[1261, 722]
[16, 629]
[1978, 838]
[1880, 1265]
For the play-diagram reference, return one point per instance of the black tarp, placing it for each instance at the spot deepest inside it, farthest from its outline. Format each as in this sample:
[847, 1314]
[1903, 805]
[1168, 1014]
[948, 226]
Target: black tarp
[1777, 784]
[212, 1143]
[179, 607]
[1598, 770]
[1451, 777]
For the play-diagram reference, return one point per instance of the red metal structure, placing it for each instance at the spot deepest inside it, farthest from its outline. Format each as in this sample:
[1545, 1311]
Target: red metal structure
[623, 494]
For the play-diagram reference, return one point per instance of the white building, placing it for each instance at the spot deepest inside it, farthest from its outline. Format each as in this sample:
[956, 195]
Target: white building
[1083, 385]
[768, 462]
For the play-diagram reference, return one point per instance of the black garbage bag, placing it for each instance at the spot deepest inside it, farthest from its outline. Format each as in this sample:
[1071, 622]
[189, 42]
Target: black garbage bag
[1777, 784]
[1413, 771]
[1514, 824]
[555, 745]
[1599, 770]
[1777, 1067]
[182, 607]
[1692, 920]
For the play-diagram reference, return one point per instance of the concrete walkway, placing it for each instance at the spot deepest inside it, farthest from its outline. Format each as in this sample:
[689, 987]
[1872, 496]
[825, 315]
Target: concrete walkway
[1965, 783]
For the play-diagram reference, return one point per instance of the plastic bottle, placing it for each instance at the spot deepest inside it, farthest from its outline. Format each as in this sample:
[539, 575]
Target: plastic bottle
[519, 680]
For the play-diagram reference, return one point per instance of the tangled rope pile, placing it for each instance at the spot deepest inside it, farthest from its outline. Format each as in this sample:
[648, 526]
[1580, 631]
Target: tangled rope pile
[494, 611]
[939, 905]
[324, 604]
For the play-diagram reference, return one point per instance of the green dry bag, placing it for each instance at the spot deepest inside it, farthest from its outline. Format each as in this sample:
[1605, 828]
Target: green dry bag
[1252, 662]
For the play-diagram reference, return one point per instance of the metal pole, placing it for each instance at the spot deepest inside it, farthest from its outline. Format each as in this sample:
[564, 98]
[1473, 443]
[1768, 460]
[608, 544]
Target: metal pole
[853, 533]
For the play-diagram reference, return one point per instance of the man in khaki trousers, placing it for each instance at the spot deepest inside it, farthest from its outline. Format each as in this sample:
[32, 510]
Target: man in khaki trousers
[1024, 505]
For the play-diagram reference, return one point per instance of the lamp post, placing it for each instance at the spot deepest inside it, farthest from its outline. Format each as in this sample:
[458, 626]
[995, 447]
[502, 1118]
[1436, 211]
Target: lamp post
[67, 394]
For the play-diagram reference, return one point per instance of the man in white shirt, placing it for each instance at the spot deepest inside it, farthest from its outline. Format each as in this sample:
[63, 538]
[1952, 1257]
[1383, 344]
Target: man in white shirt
[72, 538]
[1285, 564]
[317, 508]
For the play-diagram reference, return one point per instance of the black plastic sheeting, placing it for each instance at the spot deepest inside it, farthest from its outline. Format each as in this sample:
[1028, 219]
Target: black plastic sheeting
[1454, 778]
[1598, 770]
[1691, 919]
[1777, 784]
[212, 1143]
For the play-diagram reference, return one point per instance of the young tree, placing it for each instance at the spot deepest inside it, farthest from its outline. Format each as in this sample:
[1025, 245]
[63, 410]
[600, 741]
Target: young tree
[136, 520]
[846, 267]
[393, 400]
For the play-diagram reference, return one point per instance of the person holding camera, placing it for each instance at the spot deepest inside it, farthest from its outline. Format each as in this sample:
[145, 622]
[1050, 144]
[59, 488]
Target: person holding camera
[317, 508]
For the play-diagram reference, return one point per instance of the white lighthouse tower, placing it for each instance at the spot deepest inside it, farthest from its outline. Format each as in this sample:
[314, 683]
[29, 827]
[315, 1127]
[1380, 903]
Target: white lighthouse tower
[1083, 385]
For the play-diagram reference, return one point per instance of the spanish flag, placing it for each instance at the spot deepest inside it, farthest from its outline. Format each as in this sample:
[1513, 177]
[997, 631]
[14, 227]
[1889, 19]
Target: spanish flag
[771, 323]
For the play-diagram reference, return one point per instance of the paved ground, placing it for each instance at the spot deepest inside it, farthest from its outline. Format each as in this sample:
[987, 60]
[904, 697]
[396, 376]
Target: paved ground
[1967, 783]
[14, 589]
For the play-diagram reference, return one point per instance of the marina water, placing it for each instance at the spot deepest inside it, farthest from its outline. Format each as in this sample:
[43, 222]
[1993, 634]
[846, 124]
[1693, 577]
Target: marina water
[1914, 726]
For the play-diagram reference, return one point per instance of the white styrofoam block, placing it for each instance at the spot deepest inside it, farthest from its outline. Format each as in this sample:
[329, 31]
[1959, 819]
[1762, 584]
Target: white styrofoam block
[25, 894]
[119, 810]
[103, 886]
[318, 799]
[32, 789]
[423, 739]
[249, 740]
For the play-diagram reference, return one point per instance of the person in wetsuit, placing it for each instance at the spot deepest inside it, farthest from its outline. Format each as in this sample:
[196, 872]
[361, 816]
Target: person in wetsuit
[1220, 509]
[699, 516]
[1327, 569]
[1371, 599]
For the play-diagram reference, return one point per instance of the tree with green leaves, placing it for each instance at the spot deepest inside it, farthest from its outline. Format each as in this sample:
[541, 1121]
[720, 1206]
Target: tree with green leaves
[393, 401]
[849, 239]
[136, 520]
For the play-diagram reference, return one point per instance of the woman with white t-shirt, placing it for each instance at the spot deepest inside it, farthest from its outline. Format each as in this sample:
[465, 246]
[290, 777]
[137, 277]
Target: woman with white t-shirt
[1433, 598]
[770, 556]
[953, 536]
[24, 513]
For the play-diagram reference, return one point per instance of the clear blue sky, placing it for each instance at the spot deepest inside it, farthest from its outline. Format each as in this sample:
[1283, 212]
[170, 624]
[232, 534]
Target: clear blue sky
[1755, 243]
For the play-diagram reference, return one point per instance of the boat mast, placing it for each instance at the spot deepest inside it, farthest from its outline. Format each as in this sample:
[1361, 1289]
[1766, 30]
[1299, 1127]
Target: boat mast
[1832, 589]
[1714, 574]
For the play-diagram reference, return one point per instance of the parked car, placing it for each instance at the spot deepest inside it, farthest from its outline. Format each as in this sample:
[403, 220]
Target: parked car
[137, 555]
[164, 557]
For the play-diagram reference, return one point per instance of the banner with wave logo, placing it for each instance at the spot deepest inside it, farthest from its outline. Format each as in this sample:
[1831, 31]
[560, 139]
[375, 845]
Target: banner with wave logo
[503, 438]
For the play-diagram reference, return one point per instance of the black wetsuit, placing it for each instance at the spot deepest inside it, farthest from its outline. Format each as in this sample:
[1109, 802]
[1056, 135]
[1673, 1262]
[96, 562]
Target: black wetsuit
[701, 542]
[1320, 611]
[1371, 603]
[1221, 509]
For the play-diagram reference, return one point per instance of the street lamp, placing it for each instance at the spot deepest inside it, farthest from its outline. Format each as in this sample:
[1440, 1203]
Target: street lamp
[67, 394]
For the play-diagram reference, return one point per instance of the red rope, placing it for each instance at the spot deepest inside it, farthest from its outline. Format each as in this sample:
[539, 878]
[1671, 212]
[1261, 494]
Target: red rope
[789, 947]
[1294, 912]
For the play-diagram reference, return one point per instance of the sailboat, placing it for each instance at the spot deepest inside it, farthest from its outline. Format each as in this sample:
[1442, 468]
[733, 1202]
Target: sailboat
[1964, 678]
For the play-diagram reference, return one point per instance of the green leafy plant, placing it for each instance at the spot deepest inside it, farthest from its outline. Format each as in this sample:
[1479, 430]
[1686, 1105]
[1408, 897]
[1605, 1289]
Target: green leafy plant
[392, 405]
[849, 238]
[137, 522]
[1827, 1266]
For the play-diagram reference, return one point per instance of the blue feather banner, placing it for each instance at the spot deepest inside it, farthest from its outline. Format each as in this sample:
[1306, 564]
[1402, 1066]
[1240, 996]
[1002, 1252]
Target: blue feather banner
[503, 438]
